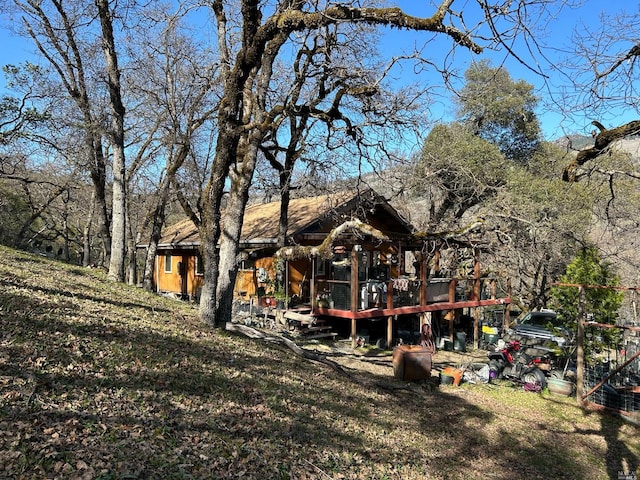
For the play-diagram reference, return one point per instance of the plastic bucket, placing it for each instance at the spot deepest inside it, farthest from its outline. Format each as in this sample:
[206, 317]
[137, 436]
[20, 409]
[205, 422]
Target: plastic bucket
[491, 337]
[455, 374]
[460, 341]
[559, 386]
[446, 379]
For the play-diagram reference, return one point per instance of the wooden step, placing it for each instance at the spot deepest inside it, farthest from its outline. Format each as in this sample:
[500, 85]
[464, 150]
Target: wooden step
[300, 317]
[317, 328]
[300, 309]
[322, 335]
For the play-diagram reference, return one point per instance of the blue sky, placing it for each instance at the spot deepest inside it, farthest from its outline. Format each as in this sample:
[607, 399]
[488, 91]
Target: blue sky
[557, 32]
[15, 50]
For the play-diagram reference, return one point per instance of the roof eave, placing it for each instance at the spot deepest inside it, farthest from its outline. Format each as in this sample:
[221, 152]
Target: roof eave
[243, 243]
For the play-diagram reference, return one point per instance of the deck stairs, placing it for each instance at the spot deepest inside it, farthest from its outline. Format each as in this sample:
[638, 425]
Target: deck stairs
[308, 325]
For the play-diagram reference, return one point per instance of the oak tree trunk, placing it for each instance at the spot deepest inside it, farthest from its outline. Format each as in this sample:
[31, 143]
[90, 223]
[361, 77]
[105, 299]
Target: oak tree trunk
[119, 214]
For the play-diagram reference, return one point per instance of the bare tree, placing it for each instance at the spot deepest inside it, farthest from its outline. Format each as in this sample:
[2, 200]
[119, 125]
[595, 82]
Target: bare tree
[18, 114]
[243, 119]
[116, 135]
[37, 161]
[55, 33]
[337, 114]
[173, 80]
[601, 68]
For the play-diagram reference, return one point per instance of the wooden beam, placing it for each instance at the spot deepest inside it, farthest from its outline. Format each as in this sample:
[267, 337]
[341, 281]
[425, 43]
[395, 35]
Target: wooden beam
[312, 284]
[580, 344]
[300, 317]
[389, 316]
[423, 279]
[452, 299]
[507, 311]
[354, 280]
[432, 307]
[353, 332]
[477, 294]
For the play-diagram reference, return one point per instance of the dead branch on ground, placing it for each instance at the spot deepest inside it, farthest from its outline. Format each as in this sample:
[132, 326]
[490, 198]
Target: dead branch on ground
[306, 354]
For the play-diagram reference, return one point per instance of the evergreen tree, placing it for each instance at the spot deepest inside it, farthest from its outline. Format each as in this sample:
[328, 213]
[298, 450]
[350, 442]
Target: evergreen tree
[602, 304]
[500, 110]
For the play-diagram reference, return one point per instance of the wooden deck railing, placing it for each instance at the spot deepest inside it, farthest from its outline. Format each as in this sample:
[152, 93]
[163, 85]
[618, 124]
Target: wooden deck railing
[403, 296]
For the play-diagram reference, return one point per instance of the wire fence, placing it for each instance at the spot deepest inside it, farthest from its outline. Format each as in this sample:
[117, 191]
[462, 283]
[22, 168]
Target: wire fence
[613, 379]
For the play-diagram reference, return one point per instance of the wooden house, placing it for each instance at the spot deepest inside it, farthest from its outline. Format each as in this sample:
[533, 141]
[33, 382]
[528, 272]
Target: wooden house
[348, 257]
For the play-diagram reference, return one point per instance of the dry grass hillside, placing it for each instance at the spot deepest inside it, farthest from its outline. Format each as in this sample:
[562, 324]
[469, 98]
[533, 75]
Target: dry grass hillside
[103, 381]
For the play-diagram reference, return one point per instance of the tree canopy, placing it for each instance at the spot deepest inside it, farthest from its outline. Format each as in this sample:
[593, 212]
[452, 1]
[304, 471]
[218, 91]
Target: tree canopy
[500, 110]
[531, 220]
[601, 304]
[461, 169]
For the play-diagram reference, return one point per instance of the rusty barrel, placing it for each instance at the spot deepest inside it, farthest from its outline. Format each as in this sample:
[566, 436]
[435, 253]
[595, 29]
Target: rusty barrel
[411, 362]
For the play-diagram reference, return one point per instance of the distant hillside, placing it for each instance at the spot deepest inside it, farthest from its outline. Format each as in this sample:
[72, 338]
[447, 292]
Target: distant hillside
[574, 142]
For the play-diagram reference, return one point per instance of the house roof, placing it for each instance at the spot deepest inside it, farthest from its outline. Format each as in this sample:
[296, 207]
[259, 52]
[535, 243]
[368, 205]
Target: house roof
[261, 221]
[182, 233]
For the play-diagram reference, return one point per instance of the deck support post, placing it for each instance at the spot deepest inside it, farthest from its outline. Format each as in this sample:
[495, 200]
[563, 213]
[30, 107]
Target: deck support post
[312, 285]
[354, 292]
[477, 293]
[451, 314]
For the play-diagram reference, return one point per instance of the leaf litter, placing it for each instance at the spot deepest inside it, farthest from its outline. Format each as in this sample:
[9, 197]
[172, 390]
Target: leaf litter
[104, 381]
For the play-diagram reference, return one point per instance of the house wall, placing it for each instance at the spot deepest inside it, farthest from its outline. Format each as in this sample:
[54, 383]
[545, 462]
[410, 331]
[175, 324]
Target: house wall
[247, 280]
[247, 284]
[298, 278]
[173, 281]
[167, 281]
[194, 280]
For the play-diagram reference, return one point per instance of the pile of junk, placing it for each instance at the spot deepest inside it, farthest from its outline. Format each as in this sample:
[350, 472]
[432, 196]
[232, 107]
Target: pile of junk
[532, 367]
[528, 361]
[536, 354]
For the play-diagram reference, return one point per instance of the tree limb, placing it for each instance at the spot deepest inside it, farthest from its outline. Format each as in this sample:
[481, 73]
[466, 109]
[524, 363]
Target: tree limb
[324, 250]
[306, 354]
[633, 53]
[291, 345]
[603, 140]
[296, 20]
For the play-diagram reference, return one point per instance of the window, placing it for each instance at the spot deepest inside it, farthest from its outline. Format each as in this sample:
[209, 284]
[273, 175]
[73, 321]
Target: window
[199, 265]
[168, 264]
[320, 267]
[411, 263]
[247, 264]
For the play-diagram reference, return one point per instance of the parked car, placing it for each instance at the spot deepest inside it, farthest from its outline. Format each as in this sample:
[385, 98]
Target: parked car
[541, 326]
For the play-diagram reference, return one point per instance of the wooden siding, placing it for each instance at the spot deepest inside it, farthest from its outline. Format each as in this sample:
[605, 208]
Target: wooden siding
[298, 277]
[173, 282]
